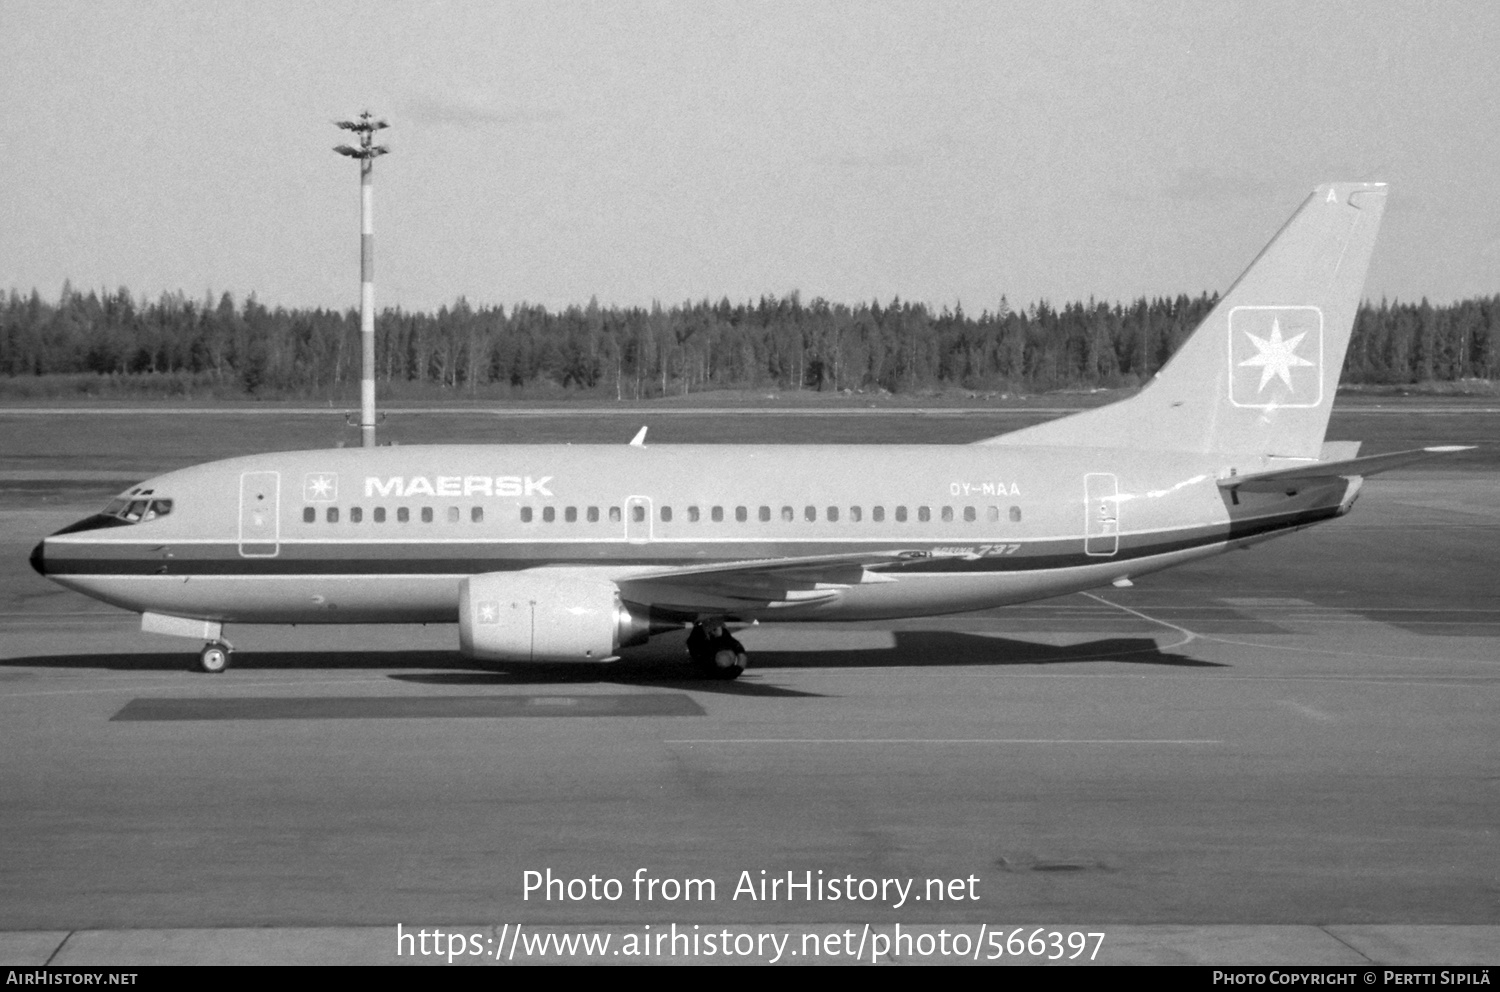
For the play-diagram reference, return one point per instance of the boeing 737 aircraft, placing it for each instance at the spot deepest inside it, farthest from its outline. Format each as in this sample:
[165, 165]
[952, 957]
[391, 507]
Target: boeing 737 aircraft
[571, 553]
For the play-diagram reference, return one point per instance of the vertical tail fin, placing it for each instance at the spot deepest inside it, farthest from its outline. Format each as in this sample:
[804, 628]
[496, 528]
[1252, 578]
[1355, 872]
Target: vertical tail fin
[1257, 377]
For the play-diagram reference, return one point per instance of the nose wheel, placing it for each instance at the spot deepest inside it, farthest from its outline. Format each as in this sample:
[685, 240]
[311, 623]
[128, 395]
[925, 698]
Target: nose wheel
[214, 658]
[715, 653]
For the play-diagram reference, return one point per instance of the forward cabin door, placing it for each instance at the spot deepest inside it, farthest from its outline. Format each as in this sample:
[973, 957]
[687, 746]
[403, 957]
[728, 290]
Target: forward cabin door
[260, 514]
[1102, 508]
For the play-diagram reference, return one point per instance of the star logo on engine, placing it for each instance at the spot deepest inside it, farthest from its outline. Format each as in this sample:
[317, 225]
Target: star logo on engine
[489, 612]
[321, 487]
[1275, 357]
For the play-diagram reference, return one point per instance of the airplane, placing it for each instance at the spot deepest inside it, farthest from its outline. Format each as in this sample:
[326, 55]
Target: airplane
[551, 553]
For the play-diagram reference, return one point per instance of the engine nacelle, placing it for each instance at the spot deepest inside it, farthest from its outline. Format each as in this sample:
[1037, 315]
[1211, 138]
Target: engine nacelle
[521, 616]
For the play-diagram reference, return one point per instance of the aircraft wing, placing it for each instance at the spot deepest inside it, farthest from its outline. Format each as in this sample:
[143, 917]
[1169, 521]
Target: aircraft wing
[1369, 465]
[728, 588]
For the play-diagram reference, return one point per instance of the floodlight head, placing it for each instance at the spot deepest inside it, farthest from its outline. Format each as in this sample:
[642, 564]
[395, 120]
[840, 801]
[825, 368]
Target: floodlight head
[367, 151]
[364, 125]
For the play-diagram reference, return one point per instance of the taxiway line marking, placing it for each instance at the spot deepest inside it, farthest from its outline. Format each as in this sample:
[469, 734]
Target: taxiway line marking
[925, 740]
[158, 687]
[571, 411]
[1187, 635]
[1190, 636]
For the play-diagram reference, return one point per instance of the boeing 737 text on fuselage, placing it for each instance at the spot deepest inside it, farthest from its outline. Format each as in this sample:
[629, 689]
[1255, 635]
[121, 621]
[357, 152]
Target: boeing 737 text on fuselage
[556, 553]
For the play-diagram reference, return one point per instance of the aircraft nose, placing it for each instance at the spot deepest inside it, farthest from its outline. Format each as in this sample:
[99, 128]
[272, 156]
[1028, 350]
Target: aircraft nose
[39, 557]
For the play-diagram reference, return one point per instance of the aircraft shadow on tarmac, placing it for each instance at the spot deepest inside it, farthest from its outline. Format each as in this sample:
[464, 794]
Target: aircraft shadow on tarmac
[912, 649]
[943, 648]
[664, 676]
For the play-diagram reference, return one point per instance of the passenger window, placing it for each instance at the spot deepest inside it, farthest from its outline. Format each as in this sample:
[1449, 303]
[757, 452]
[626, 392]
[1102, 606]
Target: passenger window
[924, 514]
[571, 514]
[666, 514]
[877, 514]
[1015, 514]
[477, 514]
[593, 514]
[718, 514]
[356, 514]
[426, 514]
[992, 514]
[787, 514]
[614, 514]
[833, 514]
[525, 514]
[332, 514]
[969, 515]
[765, 514]
[692, 514]
[402, 514]
[453, 514]
[309, 515]
[549, 514]
[810, 513]
[901, 514]
[741, 513]
[380, 514]
[854, 514]
[947, 514]
[638, 513]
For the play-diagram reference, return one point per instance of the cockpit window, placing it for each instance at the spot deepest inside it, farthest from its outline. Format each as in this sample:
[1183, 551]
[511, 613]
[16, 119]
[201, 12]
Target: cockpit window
[134, 510]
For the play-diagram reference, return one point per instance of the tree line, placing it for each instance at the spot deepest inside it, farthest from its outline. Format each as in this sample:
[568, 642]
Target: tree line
[635, 353]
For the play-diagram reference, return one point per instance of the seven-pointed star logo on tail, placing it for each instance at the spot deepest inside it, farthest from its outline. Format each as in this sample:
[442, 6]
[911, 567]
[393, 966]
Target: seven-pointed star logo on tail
[1275, 357]
[321, 487]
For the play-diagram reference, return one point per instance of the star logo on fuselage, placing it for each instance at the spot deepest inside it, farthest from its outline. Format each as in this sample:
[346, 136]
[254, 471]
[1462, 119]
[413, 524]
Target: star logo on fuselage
[320, 487]
[1276, 356]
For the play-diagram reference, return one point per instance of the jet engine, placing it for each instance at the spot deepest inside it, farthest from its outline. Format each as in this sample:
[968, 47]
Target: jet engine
[533, 616]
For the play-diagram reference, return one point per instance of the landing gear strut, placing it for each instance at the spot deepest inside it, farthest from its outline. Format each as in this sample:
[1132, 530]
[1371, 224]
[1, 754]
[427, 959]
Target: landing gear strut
[714, 652]
[214, 658]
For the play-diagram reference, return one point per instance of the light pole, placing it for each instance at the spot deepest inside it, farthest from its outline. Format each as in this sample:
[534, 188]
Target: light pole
[367, 152]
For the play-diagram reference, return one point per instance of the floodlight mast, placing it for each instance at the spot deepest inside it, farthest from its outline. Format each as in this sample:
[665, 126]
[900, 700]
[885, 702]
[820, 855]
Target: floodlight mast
[367, 152]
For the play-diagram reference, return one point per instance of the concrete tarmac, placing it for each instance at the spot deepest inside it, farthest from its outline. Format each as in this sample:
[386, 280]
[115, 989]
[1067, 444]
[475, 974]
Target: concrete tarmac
[1285, 755]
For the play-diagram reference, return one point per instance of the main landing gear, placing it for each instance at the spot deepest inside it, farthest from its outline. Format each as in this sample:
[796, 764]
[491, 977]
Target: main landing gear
[714, 652]
[214, 658]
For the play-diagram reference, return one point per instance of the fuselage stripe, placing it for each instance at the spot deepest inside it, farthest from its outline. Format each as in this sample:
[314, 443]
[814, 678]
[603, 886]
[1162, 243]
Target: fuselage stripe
[336, 560]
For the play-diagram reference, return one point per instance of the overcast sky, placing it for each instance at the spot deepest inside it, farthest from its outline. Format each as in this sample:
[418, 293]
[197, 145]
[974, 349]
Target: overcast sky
[551, 152]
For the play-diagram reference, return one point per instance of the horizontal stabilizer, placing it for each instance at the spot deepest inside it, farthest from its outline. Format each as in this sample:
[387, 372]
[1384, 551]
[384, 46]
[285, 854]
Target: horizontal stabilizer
[1369, 465]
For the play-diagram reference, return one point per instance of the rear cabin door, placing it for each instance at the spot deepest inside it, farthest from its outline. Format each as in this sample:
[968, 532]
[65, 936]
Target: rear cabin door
[1102, 507]
[260, 514]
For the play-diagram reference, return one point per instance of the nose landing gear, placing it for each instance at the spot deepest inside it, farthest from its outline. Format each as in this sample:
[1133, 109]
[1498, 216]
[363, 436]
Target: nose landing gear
[715, 653]
[214, 658]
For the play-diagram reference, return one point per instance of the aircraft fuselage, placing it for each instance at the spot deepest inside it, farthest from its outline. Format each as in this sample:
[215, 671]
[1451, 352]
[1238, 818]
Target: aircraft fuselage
[387, 535]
